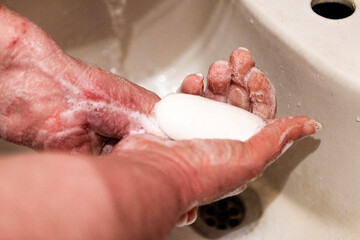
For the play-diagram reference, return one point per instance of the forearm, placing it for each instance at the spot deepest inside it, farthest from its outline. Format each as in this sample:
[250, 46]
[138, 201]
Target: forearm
[148, 195]
[68, 197]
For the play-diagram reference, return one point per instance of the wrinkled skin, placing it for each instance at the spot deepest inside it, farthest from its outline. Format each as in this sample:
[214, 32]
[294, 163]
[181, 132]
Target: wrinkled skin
[239, 83]
[50, 101]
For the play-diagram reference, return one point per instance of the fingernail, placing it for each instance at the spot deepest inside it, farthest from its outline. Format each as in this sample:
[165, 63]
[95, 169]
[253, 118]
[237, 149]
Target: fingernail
[312, 127]
[318, 126]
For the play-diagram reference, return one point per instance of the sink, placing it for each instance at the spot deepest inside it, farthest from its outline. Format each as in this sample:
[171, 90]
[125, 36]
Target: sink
[312, 191]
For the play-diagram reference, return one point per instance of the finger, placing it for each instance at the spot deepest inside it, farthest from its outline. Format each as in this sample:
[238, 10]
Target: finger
[269, 143]
[207, 170]
[239, 97]
[219, 78]
[193, 84]
[261, 93]
[75, 142]
[218, 81]
[209, 94]
[225, 167]
[241, 61]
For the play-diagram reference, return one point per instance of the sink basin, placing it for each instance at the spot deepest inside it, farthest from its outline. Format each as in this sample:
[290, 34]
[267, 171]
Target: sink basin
[312, 191]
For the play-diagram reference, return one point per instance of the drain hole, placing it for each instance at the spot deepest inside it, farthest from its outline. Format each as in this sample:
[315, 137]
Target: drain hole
[223, 205]
[234, 211]
[239, 213]
[221, 226]
[222, 217]
[209, 210]
[333, 9]
[211, 222]
[234, 223]
[225, 214]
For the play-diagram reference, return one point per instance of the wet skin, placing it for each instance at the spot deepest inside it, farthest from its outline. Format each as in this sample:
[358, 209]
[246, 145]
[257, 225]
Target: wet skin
[50, 101]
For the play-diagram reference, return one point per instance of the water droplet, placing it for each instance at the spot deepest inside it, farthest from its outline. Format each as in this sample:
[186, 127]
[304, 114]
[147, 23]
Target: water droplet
[298, 104]
[162, 78]
[289, 94]
[358, 118]
[251, 21]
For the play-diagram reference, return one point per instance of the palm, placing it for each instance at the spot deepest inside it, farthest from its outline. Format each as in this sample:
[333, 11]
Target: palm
[212, 169]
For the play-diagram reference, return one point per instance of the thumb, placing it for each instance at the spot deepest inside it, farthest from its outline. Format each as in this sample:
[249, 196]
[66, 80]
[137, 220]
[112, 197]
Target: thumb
[209, 169]
[227, 166]
[274, 138]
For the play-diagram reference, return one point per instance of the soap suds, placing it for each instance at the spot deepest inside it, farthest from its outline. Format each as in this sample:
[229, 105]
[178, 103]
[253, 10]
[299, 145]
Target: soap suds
[237, 191]
[184, 218]
[242, 48]
[221, 62]
[318, 126]
[149, 124]
[285, 148]
[199, 75]
[53, 137]
[247, 76]
[146, 123]
[92, 110]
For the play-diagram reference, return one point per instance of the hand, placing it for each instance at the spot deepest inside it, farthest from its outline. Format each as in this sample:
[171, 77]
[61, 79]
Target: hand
[217, 168]
[50, 101]
[140, 191]
[237, 82]
[204, 171]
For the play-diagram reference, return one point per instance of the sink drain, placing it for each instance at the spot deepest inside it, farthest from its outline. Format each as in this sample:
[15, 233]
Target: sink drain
[225, 214]
[238, 213]
[333, 9]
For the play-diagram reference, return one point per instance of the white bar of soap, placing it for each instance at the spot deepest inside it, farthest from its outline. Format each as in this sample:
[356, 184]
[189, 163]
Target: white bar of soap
[183, 116]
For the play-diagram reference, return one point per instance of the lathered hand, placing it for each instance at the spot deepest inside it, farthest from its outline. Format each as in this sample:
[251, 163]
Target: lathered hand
[51, 101]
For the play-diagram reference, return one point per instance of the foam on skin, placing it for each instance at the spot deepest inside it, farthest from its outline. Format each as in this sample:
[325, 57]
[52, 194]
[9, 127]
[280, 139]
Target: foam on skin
[183, 116]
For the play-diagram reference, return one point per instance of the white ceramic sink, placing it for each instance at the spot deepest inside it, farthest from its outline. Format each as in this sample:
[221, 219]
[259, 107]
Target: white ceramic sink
[313, 191]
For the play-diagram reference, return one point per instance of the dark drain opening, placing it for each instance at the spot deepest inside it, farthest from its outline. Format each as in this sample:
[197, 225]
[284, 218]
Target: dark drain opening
[210, 222]
[225, 214]
[333, 9]
[239, 213]
[234, 222]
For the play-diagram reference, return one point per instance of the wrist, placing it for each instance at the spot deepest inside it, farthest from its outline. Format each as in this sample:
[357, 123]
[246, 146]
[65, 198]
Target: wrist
[147, 195]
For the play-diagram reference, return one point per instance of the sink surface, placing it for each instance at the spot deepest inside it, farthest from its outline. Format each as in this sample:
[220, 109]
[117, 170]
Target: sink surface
[312, 191]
